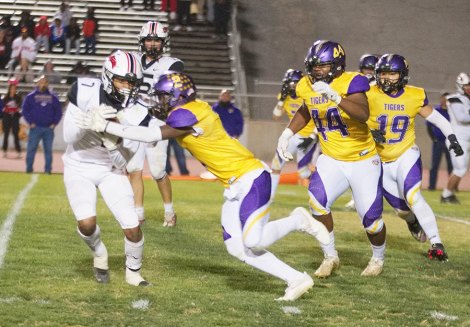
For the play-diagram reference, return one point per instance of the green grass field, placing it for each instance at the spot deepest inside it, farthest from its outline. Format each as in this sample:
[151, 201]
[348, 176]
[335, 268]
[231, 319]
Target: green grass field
[46, 277]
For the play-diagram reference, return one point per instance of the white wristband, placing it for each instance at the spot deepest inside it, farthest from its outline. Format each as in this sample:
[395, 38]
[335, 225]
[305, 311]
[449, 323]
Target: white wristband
[277, 112]
[287, 133]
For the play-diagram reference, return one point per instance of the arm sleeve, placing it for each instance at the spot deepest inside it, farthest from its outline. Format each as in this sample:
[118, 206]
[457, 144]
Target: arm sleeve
[72, 133]
[440, 122]
[136, 133]
[461, 113]
[26, 111]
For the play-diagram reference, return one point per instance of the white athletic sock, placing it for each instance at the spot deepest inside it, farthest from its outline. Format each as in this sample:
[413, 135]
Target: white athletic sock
[329, 249]
[378, 251]
[134, 253]
[168, 207]
[140, 213]
[274, 183]
[446, 193]
[269, 263]
[277, 229]
[94, 242]
[426, 219]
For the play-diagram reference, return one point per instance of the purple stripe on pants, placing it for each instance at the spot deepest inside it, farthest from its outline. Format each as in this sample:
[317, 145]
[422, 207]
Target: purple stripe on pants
[376, 209]
[225, 235]
[395, 202]
[307, 158]
[317, 188]
[258, 196]
[414, 176]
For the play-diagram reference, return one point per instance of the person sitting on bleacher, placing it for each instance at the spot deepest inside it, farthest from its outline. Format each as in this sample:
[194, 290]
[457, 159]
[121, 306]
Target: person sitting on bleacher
[25, 21]
[89, 34]
[58, 32]
[73, 36]
[4, 49]
[23, 54]
[42, 33]
[52, 75]
[65, 14]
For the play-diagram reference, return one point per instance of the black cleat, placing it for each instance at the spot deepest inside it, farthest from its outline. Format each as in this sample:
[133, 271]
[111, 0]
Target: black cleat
[417, 231]
[101, 275]
[437, 251]
[452, 199]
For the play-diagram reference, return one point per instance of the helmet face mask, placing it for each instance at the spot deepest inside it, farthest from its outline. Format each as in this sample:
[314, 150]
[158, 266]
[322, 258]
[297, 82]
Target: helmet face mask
[153, 30]
[290, 80]
[392, 63]
[119, 69]
[367, 65]
[321, 55]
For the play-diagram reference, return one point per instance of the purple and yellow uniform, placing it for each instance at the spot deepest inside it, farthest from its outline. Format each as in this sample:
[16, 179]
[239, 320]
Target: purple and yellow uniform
[341, 137]
[290, 107]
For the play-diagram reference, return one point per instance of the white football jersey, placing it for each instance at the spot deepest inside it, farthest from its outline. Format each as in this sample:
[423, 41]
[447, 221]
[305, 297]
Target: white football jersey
[458, 106]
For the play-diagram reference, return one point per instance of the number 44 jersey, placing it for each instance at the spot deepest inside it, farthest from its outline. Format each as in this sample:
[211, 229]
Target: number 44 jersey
[395, 114]
[341, 137]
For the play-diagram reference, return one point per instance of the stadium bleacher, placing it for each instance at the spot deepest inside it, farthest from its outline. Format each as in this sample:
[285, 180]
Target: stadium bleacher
[206, 59]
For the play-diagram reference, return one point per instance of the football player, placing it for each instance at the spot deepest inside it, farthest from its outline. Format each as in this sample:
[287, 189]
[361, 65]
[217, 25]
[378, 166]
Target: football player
[458, 105]
[335, 100]
[303, 144]
[246, 228]
[393, 107]
[153, 43]
[97, 161]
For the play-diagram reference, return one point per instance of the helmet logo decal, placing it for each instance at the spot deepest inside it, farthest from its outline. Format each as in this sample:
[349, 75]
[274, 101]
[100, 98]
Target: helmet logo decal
[112, 59]
[337, 52]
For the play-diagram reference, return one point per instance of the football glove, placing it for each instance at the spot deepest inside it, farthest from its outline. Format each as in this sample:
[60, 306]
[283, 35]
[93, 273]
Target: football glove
[282, 144]
[378, 135]
[307, 141]
[326, 90]
[455, 145]
[278, 109]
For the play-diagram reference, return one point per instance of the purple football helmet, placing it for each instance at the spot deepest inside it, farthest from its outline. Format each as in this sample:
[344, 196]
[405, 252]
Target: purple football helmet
[325, 52]
[290, 80]
[368, 61]
[392, 63]
[172, 89]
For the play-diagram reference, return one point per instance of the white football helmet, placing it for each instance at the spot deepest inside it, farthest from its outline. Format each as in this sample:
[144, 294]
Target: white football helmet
[462, 79]
[123, 65]
[154, 30]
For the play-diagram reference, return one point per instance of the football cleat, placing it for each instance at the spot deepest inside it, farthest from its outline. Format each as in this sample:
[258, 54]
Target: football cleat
[101, 275]
[451, 199]
[328, 265]
[312, 226]
[297, 288]
[417, 231]
[437, 251]
[374, 268]
[169, 220]
[134, 278]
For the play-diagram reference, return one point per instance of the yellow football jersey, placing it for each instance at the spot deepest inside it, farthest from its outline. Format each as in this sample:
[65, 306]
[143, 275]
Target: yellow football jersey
[395, 114]
[290, 106]
[341, 137]
[223, 156]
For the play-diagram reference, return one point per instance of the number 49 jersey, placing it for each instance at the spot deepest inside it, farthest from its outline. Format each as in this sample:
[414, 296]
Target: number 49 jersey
[341, 137]
[395, 114]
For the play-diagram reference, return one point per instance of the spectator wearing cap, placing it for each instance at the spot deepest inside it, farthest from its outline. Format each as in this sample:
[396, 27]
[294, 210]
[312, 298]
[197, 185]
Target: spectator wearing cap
[42, 34]
[42, 111]
[10, 106]
[23, 54]
[25, 21]
[58, 32]
[230, 116]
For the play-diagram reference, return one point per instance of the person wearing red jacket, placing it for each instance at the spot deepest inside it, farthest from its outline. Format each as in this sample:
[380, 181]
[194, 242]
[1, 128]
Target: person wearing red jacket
[42, 33]
[89, 34]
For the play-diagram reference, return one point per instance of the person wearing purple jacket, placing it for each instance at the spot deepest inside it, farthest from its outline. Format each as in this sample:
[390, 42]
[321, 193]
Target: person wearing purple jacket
[230, 116]
[42, 111]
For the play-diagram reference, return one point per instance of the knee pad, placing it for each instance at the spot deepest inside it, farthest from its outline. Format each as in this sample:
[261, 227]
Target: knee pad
[376, 227]
[157, 169]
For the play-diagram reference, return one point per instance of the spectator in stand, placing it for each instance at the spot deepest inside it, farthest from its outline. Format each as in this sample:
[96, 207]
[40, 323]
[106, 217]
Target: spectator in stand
[58, 32]
[179, 155]
[125, 6]
[230, 116]
[5, 49]
[184, 16]
[91, 13]
[89, 34]
[65, 13]
[221, 18]
[149, 4]
[80, 68]
[23, 53]
[42, 111]
[11, 107]
[25, 21]
[42, 34]
[53, 76]
[439, 147]
[73, 35]
[173, 8]
[5, 24]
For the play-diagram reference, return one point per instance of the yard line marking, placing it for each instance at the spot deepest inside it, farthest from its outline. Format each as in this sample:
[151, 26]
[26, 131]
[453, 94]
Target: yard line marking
[455, 220]
[7, 227]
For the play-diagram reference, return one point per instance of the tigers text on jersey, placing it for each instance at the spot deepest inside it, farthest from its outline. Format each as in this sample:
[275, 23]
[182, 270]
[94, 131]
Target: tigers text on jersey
[341, 137]
[395, 114]
[154, 69]
[223, 156]
[290, 106]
